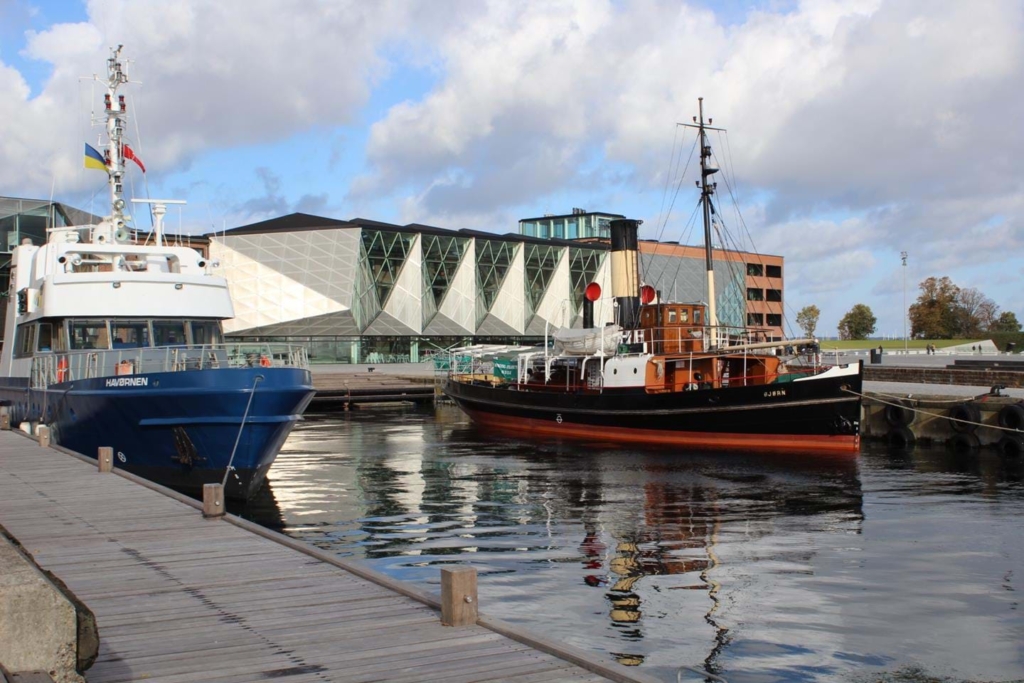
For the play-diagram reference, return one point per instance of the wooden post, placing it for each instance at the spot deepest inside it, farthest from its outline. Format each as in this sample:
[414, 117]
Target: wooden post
[43, 434]
[105, 459]
[5, 418]
[213, 501]
[458, 596]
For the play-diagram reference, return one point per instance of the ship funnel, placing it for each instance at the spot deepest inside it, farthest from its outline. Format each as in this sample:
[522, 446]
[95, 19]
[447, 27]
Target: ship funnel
[625, 272]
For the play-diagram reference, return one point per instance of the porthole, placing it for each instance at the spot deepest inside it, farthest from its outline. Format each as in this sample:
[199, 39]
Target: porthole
[634, 371]
[615, 371]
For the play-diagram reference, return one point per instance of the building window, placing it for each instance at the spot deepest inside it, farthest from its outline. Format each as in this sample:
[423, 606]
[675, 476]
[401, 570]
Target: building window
[774, 271]
[774, 320]
[755, 294]
[773, 294]
[755, 269]
[755, 319]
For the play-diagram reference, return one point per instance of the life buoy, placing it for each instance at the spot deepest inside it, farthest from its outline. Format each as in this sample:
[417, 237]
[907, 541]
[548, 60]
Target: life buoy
[264, 362]
[62, 370]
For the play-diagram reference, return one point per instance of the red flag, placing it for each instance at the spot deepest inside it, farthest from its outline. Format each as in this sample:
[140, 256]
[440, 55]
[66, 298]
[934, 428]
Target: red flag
[129, 154]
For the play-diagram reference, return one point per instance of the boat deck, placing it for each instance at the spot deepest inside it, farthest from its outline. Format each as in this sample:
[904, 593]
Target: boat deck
[181, 598]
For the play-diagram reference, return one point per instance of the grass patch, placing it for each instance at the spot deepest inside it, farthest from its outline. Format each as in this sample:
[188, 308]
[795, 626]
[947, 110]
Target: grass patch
[854, 344]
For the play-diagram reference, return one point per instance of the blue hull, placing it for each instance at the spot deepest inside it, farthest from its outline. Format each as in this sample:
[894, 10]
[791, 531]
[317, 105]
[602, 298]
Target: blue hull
[175, 428]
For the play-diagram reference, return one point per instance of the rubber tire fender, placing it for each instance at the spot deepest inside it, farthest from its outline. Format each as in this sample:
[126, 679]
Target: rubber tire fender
[901, 439]
[1011, 445]
[964, 442]
[1012, 416]
[968, 412]
[899, 414]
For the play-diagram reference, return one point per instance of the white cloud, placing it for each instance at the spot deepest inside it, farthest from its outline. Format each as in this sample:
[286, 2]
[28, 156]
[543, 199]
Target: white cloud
[214, 75]
[862, 128]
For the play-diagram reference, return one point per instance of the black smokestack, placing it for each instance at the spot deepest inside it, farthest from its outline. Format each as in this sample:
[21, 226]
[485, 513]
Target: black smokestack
[625, 272]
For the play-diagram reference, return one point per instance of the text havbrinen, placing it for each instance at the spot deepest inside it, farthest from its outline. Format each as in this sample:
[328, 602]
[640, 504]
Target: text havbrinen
[128, 382]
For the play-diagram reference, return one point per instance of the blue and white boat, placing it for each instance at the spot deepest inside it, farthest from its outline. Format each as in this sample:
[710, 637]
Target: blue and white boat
[114, 341]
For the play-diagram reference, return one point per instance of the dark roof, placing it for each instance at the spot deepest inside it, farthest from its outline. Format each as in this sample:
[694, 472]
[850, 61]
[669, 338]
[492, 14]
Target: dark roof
[293, 222]
[297, 222]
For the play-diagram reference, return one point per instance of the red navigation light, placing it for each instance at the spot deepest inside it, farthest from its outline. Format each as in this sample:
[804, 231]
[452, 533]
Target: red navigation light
[593, 292]
[647, 294]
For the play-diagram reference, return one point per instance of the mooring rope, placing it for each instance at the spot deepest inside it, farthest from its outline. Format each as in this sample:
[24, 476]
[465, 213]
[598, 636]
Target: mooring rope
[938, 415]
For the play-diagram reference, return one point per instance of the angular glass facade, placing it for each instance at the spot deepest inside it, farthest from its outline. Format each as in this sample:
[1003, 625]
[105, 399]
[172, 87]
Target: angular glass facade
[441, 259]
[493, 259]
[541, 261]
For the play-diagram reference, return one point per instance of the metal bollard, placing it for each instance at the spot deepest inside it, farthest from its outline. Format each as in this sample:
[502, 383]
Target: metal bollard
[458, 596]
[213, 501]
[43, 435]
[105, 459]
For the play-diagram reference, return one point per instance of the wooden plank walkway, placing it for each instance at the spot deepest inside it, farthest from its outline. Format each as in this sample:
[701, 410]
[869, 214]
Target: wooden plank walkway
[179, 598]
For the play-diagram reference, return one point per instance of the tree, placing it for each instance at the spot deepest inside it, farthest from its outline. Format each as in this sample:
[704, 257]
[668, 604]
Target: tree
[858, 323]
[1007, 322]
[807, 319]
[934, 314]
[975, 313]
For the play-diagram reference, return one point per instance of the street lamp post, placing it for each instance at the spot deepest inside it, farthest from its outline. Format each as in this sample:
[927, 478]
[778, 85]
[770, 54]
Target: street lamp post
[906, 343]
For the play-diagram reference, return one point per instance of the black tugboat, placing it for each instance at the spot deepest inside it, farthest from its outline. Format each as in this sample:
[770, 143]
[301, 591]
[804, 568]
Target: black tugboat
[666, 373]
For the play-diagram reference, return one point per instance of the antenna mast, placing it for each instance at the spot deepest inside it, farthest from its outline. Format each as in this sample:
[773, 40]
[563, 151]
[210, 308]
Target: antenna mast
[116, 111]
[706, 190]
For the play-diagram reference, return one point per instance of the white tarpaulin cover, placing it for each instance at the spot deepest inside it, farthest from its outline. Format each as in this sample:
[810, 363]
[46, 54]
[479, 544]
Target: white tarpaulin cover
[588, 341]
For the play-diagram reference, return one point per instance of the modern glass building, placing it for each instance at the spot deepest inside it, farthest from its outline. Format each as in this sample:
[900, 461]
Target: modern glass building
[362, 291]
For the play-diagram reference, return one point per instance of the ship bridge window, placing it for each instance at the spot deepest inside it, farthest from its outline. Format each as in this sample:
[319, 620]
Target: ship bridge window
[671, 316]
[205, 332]
[696, 316]
[25, 343]
[129, 334]
[89, 334]
[684, 315]
[168, 333]
[45, 337]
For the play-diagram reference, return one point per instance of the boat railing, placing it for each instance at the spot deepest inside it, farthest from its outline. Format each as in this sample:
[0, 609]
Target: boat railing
[52, 368]
[692, 338]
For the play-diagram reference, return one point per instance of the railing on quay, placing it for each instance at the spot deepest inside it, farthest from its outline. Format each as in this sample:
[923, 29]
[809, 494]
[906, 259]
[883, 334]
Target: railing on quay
[52, 368]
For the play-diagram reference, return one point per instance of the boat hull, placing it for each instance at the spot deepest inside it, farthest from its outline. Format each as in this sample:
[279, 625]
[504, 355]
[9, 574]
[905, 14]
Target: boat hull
[812, 415]
[178, 429]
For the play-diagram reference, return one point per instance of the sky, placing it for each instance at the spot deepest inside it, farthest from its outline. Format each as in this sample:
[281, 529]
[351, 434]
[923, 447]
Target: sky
[855, 130]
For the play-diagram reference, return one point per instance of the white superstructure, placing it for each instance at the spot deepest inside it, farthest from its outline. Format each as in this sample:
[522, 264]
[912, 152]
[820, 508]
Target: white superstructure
[91, 287]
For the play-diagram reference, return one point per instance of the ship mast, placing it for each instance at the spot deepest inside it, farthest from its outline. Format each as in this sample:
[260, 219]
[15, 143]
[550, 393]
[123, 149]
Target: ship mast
[116, 111]
[706, 190]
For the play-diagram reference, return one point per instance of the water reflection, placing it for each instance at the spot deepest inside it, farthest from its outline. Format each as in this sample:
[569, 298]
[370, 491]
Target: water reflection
[756, 567]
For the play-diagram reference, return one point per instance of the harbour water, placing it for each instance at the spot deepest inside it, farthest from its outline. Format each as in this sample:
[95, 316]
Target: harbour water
[758, 567]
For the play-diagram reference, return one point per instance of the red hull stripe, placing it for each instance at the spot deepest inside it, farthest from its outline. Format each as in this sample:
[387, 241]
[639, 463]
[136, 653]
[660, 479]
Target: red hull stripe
[758, 442]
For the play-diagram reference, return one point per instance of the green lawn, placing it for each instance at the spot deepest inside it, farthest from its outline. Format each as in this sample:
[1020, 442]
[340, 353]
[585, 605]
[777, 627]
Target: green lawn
[852, 344]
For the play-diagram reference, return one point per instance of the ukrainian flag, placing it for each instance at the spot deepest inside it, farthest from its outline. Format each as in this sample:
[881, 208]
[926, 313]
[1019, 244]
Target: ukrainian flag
[94, 159]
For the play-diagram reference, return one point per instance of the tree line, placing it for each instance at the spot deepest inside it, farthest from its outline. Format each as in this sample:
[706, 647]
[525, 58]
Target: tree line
[942, 311]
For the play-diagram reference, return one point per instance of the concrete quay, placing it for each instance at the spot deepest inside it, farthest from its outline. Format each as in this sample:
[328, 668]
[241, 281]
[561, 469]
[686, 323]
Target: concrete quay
[180, 597]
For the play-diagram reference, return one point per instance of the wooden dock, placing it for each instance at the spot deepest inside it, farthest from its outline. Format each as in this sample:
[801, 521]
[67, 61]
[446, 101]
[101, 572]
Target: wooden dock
[180, 598]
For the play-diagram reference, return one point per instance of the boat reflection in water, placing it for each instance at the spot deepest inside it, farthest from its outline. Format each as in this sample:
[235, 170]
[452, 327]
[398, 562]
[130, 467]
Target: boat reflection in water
[757, 567]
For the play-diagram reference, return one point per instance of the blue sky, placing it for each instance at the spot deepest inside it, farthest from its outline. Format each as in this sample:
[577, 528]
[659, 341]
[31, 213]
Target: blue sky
[856, 129]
